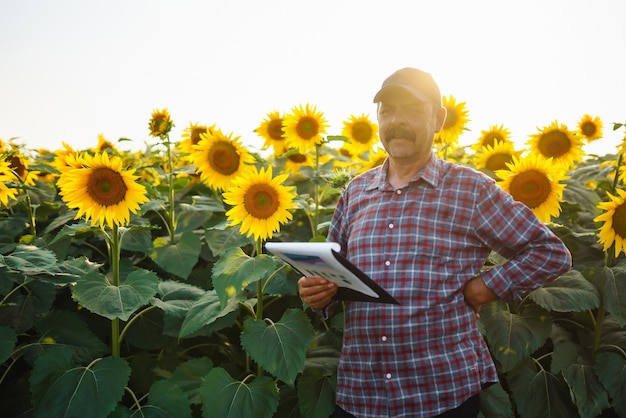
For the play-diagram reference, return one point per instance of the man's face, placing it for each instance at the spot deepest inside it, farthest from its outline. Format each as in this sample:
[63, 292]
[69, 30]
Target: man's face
[407, 126]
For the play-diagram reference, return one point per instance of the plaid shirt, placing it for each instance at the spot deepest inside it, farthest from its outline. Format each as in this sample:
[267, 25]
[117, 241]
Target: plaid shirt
[422, 243]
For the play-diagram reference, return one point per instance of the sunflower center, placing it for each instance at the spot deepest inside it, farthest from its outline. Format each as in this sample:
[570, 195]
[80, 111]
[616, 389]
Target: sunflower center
[195, 134]
[362, 132]
[307, 127]
[530, 187]
[275, 130]
[224, 158]
[498, 162]
[451, 119]
[261, 201]
[554, 144]
[589, 128]
[491, 139]
[619, 220]
[106, 187]
[297, 158]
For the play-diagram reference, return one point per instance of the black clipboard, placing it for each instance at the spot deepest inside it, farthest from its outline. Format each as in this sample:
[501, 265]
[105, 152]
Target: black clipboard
[324, 259]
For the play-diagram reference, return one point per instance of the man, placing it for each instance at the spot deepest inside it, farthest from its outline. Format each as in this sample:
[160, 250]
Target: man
[422, 228]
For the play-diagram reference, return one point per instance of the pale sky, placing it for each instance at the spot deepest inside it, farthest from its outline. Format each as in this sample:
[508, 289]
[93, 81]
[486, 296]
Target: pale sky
[72, 69]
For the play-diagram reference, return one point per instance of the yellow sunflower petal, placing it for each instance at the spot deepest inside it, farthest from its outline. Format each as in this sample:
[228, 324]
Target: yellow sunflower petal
[559, 143]
[304, 127]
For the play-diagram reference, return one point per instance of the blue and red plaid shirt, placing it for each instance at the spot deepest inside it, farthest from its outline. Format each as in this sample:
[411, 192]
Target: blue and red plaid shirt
[422, 243]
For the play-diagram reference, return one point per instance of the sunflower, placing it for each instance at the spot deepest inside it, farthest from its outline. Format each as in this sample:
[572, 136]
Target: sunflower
[101, 190]
[271, 130]
[160, 123]
[495, 133]
[557, 142]
[220, 158]
[590, 127]
[260, 203]
[6, 176]
[104, 144]
[496, 156]
[304, 128]
[455, 123]
[373, 159]
[613, 230]
[534, 181]
[362, 133]
[191, 136]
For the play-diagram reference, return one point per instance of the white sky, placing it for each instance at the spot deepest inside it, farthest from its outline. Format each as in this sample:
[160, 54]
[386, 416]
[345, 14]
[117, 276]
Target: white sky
[71, 69]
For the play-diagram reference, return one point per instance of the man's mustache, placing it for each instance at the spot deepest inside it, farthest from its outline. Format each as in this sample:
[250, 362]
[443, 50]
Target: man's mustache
[399, 131]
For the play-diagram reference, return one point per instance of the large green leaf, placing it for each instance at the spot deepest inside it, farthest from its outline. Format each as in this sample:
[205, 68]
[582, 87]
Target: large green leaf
[513, 337]
[8, 338]
[569, 293]
[189, 375]
[495, 402]
[29, 259]
[614, 292]
[611, 370]
[20, 309]
[179, 258]
[224, 397]
[316, 393]
[69, 271]
[190, 218]
[565, 352]
[235, 270]
[165, 400]
[62, 389]
[221, 238]
[95, 293]
[280, 348]
[206, 310]
[177, 298]
[589, 395]
[539, 394]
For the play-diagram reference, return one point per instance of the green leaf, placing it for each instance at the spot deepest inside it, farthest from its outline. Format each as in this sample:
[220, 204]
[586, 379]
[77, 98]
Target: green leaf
[69, 271]
[189, 376]
[179, 258]
[224, 397]
[190, 219]
[316, 393]
[177, 298]
[565, 350]
[71, 231]
[569, 293]
[165, 400]
[280, 348]
[539, 394]
[95, 293]
[589, 395]
[222, 239]
[8, 338]
[63, 389]
[30, 259]
[495, 402]
[513, 337]
[611, 370]
[614, 292]
[137, 239]
[235, 270]
[206, 310]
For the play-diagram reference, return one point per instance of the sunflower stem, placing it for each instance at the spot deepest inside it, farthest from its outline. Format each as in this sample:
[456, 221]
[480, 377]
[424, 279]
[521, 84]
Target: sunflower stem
[316, 189]
[259, 296]
[115, 270]
[170, 168]
[598, 330]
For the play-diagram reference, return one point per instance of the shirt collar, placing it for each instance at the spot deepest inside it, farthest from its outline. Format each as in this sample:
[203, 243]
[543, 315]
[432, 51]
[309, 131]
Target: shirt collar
[431, 173]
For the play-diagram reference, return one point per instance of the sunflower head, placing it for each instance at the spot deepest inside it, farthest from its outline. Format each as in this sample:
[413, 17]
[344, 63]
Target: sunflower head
[220, 158]
[260, 203]
[495, 133]
[590, 127]
[191, 136]
[495, 157]
[304, 127]
[559, 143]
[160, 123]
[272, 131]
[455, 123]
[102, 190]
[104, 144]
[534, 181]
[361, 132]
[613, 230]
[373, 159]
[6, 177]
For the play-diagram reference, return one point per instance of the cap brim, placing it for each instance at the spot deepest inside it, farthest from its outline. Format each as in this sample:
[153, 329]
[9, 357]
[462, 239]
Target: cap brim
[389, 89]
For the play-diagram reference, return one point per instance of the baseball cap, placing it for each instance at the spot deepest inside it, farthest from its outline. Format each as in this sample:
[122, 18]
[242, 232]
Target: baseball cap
[417, 82]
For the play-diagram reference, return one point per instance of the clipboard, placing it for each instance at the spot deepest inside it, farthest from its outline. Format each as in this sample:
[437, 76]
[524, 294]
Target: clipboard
[324, 259]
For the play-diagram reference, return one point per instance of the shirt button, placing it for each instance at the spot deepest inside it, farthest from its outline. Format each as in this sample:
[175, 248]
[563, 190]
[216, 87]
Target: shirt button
[399, 191]
[388, 375]
[390, 226]
[387, 263]
[384, 338]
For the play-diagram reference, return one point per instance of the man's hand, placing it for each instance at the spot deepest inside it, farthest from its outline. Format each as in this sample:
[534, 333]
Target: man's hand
[477, 293]
[316, 291]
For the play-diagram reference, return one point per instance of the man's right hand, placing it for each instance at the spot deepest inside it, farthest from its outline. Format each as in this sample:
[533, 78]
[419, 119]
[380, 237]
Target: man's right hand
[316, 291]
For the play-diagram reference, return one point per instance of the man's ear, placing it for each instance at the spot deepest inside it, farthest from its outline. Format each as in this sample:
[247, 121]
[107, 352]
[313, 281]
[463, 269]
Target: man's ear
[441, 118]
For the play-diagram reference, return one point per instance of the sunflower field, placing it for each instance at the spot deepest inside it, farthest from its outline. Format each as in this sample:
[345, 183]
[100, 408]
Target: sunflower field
[137, 284]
